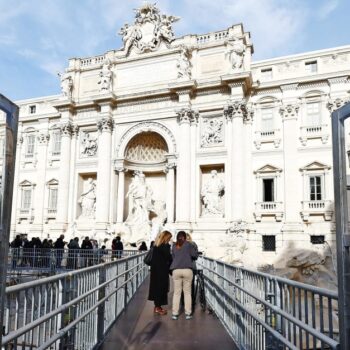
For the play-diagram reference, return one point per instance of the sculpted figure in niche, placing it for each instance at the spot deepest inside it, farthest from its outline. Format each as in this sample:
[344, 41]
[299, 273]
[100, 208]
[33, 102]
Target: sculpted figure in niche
[212, 132]
[183, 64]
[211, 194]
[235, 50]
[66, 84]
[89, 144]
[140, 200]
[105, 81]
[87, 200]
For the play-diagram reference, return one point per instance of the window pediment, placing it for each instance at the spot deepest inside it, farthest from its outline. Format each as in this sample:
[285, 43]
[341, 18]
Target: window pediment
[268, 169]
[315, 166]
[26, 183]
[52, 182]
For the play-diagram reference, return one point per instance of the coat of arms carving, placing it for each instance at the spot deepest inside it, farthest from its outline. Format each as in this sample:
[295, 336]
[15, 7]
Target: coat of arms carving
[149, 30]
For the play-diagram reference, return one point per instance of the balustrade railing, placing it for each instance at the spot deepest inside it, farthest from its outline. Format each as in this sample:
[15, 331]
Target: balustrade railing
[52, 260]
[262, 311]
[71, 310]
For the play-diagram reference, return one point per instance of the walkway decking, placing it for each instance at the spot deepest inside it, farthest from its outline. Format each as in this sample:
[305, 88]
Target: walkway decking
[138, 328]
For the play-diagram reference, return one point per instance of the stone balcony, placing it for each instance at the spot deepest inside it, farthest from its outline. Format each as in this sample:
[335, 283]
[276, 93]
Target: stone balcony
[50, 214]
[25, 214]
[270, 136]
[268, 209]
[322, 208]
[314, 132]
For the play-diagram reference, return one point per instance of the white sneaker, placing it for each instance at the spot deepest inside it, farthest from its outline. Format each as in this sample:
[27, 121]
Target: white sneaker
[174, 317]
[188, 317]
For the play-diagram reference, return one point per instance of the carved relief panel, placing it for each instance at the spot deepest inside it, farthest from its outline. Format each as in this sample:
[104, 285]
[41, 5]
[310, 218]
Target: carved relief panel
[212, 132]
[88, 143]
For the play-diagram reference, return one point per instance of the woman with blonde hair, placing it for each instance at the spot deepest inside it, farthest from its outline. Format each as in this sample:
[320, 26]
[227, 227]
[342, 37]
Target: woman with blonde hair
[159, 280]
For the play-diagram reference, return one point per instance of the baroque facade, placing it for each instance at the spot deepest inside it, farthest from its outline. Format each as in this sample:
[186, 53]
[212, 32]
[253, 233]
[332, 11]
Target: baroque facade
[185, 133]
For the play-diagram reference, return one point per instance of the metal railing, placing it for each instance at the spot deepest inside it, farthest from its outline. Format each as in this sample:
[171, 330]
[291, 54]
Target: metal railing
[51, 260]
[262, 311]
[71, 310]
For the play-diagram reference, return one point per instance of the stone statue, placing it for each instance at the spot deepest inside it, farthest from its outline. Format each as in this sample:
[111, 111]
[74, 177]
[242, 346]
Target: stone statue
[106, 74]
[235, 49]
[150, 28]
[87, 200]
[66, 85]
[212, 132]
[89, 144]
[183, 64]
[211, 193]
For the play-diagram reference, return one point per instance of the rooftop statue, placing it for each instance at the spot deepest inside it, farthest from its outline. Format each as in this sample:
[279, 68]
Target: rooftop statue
[149, 30]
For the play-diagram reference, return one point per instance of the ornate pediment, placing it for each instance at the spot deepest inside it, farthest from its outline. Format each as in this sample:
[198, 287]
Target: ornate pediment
[315, 166]
[26, 183]
[268, 169]
[149, 30]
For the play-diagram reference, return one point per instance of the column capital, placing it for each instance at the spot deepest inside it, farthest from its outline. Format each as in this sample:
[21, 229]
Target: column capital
[120, 169]
[66, 129]
[236, 109]
[336, 103]
[105, 124]
[168, 167]
[43, 138]
[75, 130]
[289, 111]
[187, 115]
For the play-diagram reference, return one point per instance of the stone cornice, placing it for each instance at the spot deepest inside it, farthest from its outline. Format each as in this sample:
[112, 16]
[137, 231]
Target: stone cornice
[64, 105]
[336, 103]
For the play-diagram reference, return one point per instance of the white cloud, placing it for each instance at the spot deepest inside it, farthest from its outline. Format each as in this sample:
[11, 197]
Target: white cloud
[327, 8]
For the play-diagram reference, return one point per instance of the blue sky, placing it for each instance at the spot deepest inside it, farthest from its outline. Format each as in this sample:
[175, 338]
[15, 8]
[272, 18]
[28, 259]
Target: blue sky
[38, 36]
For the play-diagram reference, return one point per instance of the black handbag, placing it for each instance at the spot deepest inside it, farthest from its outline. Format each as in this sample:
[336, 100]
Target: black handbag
[148, 258]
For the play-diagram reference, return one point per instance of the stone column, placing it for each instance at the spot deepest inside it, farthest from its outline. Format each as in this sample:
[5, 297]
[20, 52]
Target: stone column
[64, 174]
[105, 127]
[121, 194]
[292, 196]
[40, 204]
[72, 214]
[170, 191]
[183, 178]
[237, 111]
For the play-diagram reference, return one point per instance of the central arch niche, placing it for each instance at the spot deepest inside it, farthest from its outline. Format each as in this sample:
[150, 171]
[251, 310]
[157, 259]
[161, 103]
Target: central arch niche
[147, 152]
[147, 148]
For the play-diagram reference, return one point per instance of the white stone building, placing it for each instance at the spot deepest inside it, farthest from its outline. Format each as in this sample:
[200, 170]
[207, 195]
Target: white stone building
[189, 131]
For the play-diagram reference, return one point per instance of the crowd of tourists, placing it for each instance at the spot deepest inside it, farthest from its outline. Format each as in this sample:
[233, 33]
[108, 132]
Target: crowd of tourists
[177, 260]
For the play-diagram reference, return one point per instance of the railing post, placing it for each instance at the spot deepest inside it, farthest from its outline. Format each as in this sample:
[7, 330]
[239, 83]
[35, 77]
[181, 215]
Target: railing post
[126, 276]
[101, 307]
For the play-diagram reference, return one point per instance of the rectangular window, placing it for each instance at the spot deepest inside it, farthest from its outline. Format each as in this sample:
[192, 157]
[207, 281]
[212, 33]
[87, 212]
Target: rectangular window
[266, 119]
[268, 190]
[53, 197]
[30, 145]
[26, 198]
[315, 188]
[313, 114]
[56, 142]
[317, 239]
[269, 243]
[32, 109]
[266, 74]
[311, 67]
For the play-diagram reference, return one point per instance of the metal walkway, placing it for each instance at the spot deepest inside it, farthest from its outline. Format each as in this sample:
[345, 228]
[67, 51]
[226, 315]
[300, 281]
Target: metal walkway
[138, 328]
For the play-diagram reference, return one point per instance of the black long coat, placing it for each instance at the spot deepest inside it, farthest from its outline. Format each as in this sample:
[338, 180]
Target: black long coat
[159, 280]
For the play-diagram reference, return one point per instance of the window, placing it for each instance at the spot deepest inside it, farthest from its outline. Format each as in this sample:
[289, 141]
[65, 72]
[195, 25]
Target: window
[53, 191]
[266, 120]
[313, 114]
[317, 239]
[26, 198]
[30, 145]
[32, 109]
[269, 243]
[56, 142]
[315, 188]
[311, 67]
[268, 190]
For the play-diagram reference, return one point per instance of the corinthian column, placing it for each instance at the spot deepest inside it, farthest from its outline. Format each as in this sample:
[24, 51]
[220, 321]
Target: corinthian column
[170, 191]
[186, 116]
[105, 127]
[236, 111]
[121, 194]
[64, 173]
